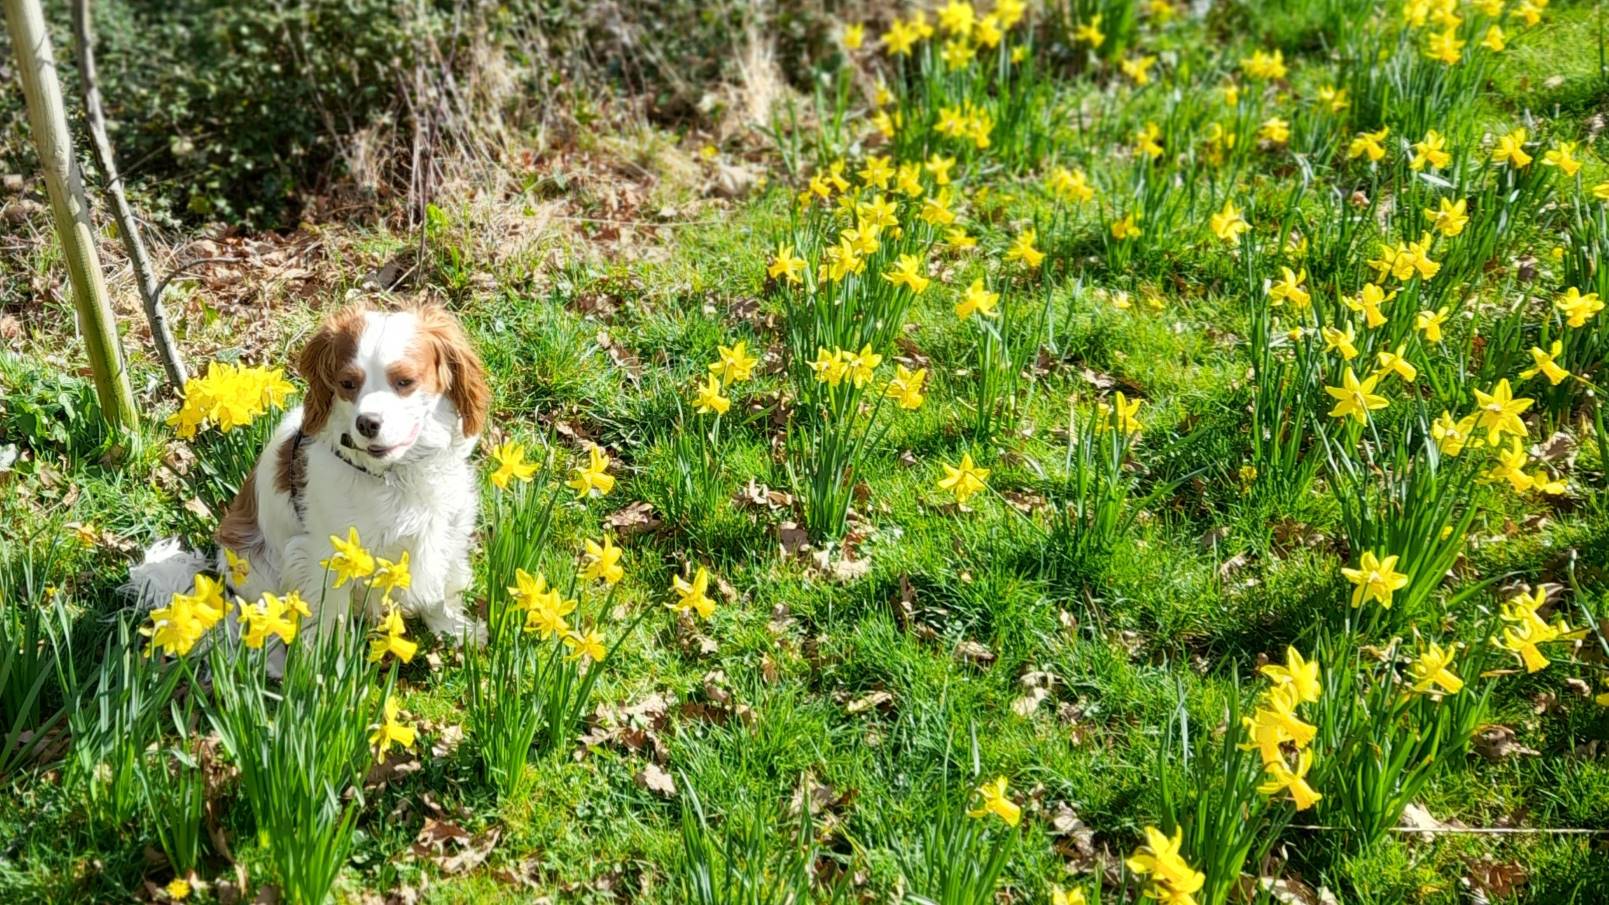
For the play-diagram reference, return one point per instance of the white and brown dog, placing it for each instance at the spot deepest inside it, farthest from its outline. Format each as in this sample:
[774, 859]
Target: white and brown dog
[395, 403]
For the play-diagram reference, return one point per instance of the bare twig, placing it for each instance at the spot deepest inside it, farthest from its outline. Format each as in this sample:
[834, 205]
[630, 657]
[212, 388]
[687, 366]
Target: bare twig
[190, 265]
[127, 227]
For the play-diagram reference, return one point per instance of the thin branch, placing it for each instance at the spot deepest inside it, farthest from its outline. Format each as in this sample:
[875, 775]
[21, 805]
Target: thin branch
[128, 229]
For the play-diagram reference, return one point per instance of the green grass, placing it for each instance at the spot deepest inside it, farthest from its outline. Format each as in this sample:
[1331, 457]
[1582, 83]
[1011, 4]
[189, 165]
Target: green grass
[1213, 580]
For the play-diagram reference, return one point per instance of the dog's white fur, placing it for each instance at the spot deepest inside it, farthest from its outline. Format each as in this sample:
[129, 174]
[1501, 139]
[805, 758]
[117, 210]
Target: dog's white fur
[405, 483]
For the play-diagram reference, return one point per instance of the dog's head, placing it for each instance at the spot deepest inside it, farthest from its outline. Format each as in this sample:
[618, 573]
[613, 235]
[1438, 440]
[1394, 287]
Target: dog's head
[382, 384]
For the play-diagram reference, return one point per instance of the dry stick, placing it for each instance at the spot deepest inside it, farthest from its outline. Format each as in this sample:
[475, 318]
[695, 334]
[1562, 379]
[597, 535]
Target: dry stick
[64, 183]
[127, 227]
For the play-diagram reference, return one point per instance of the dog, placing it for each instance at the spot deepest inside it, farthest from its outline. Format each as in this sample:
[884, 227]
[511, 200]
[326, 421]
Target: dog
[395, 404]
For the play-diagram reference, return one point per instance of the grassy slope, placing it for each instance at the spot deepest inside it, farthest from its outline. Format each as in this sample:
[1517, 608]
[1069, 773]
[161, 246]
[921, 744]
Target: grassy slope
[1166, 623]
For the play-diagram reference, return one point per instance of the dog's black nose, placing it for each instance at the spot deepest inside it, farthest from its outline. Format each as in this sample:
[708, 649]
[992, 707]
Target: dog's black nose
[369, 425]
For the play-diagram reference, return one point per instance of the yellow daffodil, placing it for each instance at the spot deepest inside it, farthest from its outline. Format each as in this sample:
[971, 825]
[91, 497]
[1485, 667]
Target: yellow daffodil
[1562, 156]
[1500, 412]
[1510, 150]
[1430, 152]
[239, 569]
[1432, 671]
[1430, 323]
[1576, 307]
[1510, 467]
[1282, 778]
[603, 561]
[1375, 579]
[390, 637]
[734, 363]
[1339, 341]
[1394, 362]
[693, 596]
[546, 617]
[271, 616]
[977, 299]
[1276, 722]
[176, 628]
[1367, 302]
[511, 464]
[1368, 144]
[1120, 413]
[588, 644]
[1451, 436]
[1169, 878]
[862, 365]
[964, 480]
[1228, 224]
[907, 272]
[1299, 673]
[785, 265]
[956, 237]
[391, 731]
[1274, 130]
[229, 396]
[956, 18]
[1450, 217]
[906, 387]
[1127, 228]
[1145, 141]
[1138, 68]
[391, 576]
[1070, 186]
[1288, 288]
[350, 560]
[1543, 363]
[1264, 66]
[709, 400]
[1444, 46]
[594, 479]
[1333, 98]
[830, 366]
[854, 36]
[1090, 32]
[900, 38]
[1022, 249]
[995, 801]
[1494, 39]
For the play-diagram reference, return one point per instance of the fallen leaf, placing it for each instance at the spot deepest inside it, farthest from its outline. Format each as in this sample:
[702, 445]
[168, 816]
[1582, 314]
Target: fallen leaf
[655, 779]
[635, 518]
[878, 699]
[1497, 742]
[974, 652]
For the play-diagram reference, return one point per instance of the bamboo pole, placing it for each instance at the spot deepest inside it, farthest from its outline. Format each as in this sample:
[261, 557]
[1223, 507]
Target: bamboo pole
[47, 120]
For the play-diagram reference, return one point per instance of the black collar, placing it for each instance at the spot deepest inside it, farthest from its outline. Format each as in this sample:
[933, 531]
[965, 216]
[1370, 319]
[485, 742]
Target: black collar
[340, 453]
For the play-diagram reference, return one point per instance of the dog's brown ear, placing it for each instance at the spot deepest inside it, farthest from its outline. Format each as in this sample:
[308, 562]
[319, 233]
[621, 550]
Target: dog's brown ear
[460, 373]
[330, 349]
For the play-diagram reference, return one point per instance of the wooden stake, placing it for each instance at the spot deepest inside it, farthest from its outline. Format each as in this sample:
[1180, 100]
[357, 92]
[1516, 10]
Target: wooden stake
[47, 120]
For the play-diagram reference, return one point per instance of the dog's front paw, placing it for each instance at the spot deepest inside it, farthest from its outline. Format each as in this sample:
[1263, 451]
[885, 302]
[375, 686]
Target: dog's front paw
[457, 628]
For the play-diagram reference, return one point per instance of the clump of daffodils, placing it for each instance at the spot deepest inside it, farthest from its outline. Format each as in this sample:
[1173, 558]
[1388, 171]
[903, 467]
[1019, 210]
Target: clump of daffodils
[179, 626]
[1276, 725]
[229, 396]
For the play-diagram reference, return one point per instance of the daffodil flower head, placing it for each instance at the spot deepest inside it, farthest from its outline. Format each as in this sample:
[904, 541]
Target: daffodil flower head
[349, 560]
[511, 464]
[693, 596]
[997, 802]
[593, 479]
[391, 731]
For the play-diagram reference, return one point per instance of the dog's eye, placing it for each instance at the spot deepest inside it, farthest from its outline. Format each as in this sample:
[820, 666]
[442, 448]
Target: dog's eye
[349, 384]
[404, 382]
